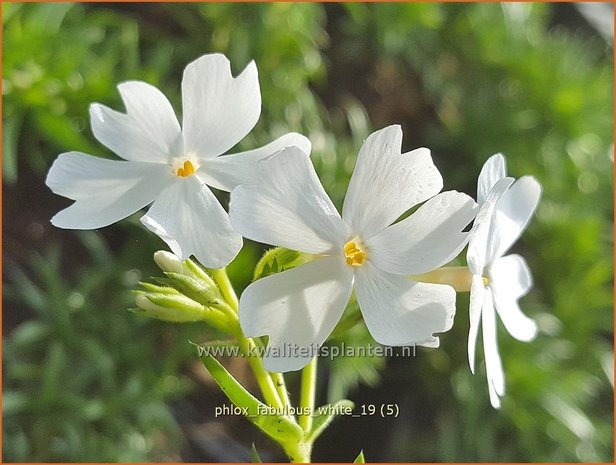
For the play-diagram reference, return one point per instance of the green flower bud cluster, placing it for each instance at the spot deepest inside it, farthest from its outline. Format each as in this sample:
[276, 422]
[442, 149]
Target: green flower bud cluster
[187, 293]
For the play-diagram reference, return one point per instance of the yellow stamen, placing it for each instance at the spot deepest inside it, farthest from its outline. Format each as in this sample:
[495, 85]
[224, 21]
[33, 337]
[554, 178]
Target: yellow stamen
[354, 253]
[486, 281]
[187, 170]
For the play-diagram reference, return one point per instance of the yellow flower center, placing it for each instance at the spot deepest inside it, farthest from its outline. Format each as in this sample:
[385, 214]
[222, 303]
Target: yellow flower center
[185, 170]
[486, 281]
[354, 253]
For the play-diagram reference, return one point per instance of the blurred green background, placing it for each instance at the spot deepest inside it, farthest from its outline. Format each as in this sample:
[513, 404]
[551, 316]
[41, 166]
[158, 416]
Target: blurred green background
[85, 380]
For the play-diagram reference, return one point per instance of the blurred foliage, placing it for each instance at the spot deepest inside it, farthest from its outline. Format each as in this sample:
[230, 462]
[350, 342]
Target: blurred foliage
[80, 383]
[466, 80]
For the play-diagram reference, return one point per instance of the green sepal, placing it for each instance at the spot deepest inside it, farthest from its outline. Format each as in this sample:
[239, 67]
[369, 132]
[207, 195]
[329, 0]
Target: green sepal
[178, 301]
[199, 272]
[164, 289]
[169, 306]
[195, 289]
[168, 315]
[360, 458]
[321, 421]
[279, 259]
[280, 428]
[254, 455]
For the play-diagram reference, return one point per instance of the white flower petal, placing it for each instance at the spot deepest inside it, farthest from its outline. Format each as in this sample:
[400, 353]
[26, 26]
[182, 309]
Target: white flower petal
[191, 221]
[297, 309]
[510, 276]
[510, 279]
[511, 215]
[426, 240]
[494, 368]
[480, 234]
[399, 311]
[493, 170]
[219, 110]
[105, 191]
[148, 132]
[386, 183]
[229, 171]
[288, 207]
[476, 303]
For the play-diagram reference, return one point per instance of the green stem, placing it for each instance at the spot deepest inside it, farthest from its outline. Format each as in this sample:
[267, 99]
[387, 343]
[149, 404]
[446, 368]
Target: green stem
[277, 379]
[459, 277]
[281, 387]
[307, 394]
[267, 386]
[224, 284]
[298, 452]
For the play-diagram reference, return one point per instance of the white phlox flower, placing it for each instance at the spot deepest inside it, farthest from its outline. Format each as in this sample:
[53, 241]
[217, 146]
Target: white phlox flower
[361, 249]
[499, 281]
[169, 165]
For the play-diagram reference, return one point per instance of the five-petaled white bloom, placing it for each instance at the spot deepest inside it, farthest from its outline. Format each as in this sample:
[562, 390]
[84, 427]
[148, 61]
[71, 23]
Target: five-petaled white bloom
[499, 281]
[288, 206]
[169, 165]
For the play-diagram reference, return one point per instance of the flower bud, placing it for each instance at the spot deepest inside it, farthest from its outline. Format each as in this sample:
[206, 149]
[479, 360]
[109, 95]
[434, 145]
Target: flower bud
[170, 307]
[167, 261]
[171, 263]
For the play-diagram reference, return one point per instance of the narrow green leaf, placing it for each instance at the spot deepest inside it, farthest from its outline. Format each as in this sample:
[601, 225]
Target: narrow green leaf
[360, 458]
[254, 455]
[325, 414]
[280, 428]
[219, 343]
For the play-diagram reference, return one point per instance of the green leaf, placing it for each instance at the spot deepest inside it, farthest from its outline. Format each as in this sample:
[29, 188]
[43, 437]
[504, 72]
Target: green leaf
[360, 458]
[325, 415]
[254, 455]
[280, 428]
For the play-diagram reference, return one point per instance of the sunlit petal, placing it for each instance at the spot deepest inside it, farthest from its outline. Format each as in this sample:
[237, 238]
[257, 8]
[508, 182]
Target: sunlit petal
[386, 183]
[229, 171]
[105, 191]
[480, 234]
[191, 221]
[149, 130]
[510, 279]
[493, 170]
[288, 206]
[476, 304]
[399, 311]
[297, 309]
[428, 239]
[219, 110]
[494, 368]
[512, 213]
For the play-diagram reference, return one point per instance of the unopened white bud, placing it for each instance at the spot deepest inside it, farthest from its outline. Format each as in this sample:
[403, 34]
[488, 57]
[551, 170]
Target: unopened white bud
[168, 261]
